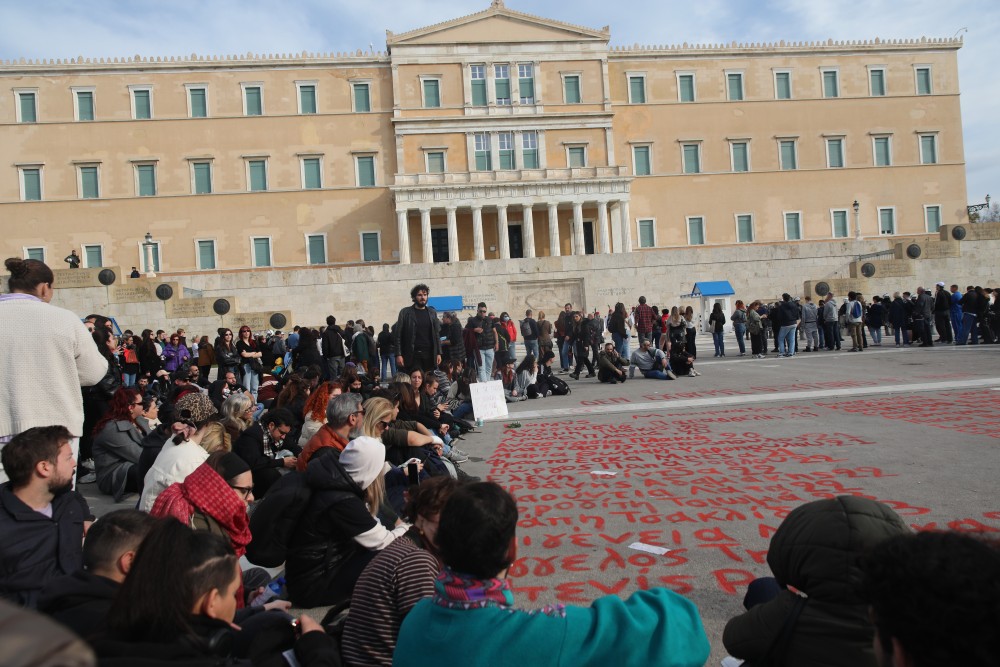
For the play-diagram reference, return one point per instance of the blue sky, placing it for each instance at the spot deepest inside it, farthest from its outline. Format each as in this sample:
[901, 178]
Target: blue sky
[67, 29]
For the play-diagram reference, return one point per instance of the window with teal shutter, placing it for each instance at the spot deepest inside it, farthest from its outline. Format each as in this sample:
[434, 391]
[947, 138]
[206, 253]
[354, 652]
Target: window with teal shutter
[505, 141]
[637, 89]
[362, 98]
[831, 86]
[741, 156]
[36, 253]
[477, 76]
[840, 229]
[692, 160]
[32, 179]
[529, 149]
[788, 158]
[577, 156]
[640, 155]
[435, 162]
[143, 108]
[783, 85]
[432, 94]
[311, 175]
[887, 221]
[147, 179]
[369, 247]
[793, 230]
[85, 105]
[262, 252]
[307, 99]
[484, 160]
[835, 153]
[27, 105]
[696, 231]
[258, 175]
[93, 255]
[923, 81]
[877, 82]
[206, 255]
[366, 171]
[89, 187]
[501, 83]
[928, 149]
[685, 86]
[255, 106]
[735, 86]
[202, 178]
[883, 152]
[571, 83]
[646, 236]
[744, 229]
[526, 83]
[933, 215]
[199, 104]
[317, 249]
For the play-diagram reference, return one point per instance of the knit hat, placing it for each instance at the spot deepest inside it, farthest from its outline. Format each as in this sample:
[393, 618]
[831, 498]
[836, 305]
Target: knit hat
[231, 465]
[199, 406]
[364, 460]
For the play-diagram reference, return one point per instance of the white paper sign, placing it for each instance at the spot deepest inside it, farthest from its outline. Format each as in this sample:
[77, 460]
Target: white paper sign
[648, 548]
[604, 473]
[488, 401]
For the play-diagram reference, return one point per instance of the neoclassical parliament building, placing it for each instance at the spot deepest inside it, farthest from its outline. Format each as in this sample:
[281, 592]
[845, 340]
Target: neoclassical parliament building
[491, 136]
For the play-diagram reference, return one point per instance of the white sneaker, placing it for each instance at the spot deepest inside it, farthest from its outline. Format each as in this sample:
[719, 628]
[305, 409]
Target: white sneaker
[456, 455]
[671, 375]
[691, 373]
[696, 373]
[89, 478]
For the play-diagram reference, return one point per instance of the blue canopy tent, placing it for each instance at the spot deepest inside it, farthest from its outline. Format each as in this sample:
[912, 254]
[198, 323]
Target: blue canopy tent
[709, 293]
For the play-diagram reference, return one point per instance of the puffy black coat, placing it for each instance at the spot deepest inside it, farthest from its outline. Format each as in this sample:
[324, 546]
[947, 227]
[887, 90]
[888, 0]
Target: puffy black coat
[80, 601]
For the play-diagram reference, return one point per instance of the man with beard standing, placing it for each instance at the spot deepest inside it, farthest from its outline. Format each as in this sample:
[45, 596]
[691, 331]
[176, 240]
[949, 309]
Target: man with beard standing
[418, 337]
[42, 519]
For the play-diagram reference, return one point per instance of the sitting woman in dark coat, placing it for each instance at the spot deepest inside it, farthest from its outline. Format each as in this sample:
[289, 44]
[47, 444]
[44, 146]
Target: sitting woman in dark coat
[118, 445]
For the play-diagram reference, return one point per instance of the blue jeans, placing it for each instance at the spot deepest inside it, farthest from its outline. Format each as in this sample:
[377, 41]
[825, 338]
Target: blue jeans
[620, 344]
[821, 328]
[876, 333]
[956, 325]
[564, 354]
[531, 347]
[655, 375]
[388, 360]
[462, 410]
[969, 327]
[484, 370]
[250, 380]
[741, 331]
[906, 334]
[130, 379]
[720, 345]
[786, 339]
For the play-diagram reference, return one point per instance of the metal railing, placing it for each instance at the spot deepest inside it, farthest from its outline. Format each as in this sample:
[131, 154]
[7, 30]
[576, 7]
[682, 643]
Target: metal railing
[881, 254]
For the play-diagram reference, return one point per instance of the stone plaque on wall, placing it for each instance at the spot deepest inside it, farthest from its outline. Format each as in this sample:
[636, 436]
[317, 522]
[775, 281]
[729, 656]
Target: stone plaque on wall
[547, 295]
[68, 278]
[190, 308]
[941, 249]
[258, 322]
[885, 268]
[131, 293]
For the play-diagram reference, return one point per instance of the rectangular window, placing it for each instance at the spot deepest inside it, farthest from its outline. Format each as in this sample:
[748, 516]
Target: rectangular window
[831, 83]
[692, 158]
[31, 184]
[307, 99]
[640, 160]
[484, 159]
[840, 228]
[526, 83]
[788, 157]
[146, 176]
[257, 175]
[744, 228]
[206, 254]
[529, 149]
[835, 153]
[876, 82]
[142, 103]
[741, 155]
[637, 89]
[928, 149]
[696, 231]
[89, 185]
[366, 171]
[477, 77]
[198, 102]
[432, 93]
[571, 88]
[370, 251]
[261, 251]
[35, 253]
[253, 101]
[734, 86]
[505, 144]
[93, 256]
[501, 84]
[26, 108]
[362, 97]
[685, 87]
[923, 75]
[932, 216]
[85, 105]
[647, 236]
[316, 248]
[202, 177]
[887, 221]
[312, 173]
[576, 156]
[882, 147]
[793, 227]
[782, 85]
[435, 162]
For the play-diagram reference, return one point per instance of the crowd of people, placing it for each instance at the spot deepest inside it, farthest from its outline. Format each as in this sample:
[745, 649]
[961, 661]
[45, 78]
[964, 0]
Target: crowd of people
[345, 472]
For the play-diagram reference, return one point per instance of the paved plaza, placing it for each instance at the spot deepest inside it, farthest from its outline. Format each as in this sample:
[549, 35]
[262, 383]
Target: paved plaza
[707, 467]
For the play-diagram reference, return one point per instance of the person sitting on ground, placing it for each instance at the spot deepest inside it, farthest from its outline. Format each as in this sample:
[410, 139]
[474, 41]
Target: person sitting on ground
[344, 416]
[225, 386]
[527, 376]
[459, 393]
[190, 620]
[682, 363]
[934, 599]
[401, 575]
[651, 362]
[180, 456]
[315, 409]
[338, 534]
[437, 408]
[81, 600]
[293, 398]
[118, 445]
[236, 414]
[472, 610]
[508, 378]
[544, 377]
[402, 438]
[42, 519]
[815, 551]
[610, 365]
[262, 447]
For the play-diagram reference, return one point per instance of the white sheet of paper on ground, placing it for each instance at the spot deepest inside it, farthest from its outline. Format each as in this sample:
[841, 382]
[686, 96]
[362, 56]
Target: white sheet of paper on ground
[648, 548]
[730, 661]
[604, 473]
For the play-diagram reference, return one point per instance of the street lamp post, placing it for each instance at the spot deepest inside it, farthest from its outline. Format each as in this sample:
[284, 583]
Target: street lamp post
[147, 247]
[978, 207]
[857, 220]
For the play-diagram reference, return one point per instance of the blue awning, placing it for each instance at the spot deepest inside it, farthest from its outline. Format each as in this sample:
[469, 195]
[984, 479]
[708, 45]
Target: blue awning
[713, 288]
[443, 303]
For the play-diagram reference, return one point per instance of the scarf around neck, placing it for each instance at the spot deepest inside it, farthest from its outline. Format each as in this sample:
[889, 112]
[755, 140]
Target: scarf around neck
[454, 590]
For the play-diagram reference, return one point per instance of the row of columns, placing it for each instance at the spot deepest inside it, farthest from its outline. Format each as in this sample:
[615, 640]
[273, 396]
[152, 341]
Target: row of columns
[528, 229]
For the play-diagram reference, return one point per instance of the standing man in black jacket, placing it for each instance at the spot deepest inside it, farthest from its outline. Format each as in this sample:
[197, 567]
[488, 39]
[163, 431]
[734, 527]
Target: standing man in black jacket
[942, 314]
[453, 331]
[418, 334]
[333, 349]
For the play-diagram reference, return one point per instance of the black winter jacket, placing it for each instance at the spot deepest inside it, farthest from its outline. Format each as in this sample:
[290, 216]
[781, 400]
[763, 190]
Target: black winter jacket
[80, 601]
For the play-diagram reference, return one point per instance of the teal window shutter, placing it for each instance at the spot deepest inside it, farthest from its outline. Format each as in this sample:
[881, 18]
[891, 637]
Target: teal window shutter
[202, 178]
[686, 82]
[369, 245]
[744, 228]
[366, 171]
[85, 105]
[637, 89]
[933, 218]
[928, 149]
[923, 81]
[479, 92]
[735, 85]
[526, 88]
[530, 158]
[788, 160]
[641, 157]
[883, 154]
[362, 98]
[36, 253]
[793, 231]
[572, 85]
[199, 105]
[877, 82]
[887, 222]
[253, 99]
[741, 158]
[435, 162]
[696, 231]
[503, 91]
[317, 249]
[311, 173]
[206, 255]
[32, 184]
[93, 256]
[840, 230]
[28, 110]
[307, 99]
[577, 156]
[830, 84]
[835, 153]
[432, 94]
[147, 180]
[646, 234]
[89, 187]
[258, 175]
[783, 85]
[262, 252]
[143, 108]
[692, 162]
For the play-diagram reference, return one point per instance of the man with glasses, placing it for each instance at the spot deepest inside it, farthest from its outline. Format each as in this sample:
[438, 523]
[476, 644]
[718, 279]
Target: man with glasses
[482, 325]
[227, 385]
[418, 334]
[344, 417]
[262, 446]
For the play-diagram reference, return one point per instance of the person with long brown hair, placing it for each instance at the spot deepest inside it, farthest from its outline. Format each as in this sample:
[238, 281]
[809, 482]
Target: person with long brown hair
[249, 355]
[118, 445]
[315, 408]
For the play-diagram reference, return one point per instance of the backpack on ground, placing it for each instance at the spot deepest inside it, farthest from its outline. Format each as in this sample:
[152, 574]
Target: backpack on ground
[558, 386]
[275, 517]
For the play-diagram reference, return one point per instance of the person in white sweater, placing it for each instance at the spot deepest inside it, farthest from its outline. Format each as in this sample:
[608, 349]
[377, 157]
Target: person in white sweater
[41, 341]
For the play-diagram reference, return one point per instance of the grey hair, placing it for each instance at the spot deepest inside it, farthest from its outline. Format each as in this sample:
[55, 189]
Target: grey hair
[341, 407]
[233, 409]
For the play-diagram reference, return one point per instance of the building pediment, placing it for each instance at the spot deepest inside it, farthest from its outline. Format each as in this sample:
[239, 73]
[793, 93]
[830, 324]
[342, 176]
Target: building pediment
[497, 24]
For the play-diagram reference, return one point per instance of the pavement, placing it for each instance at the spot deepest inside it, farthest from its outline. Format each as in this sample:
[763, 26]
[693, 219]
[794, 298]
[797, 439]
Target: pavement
[681, 483]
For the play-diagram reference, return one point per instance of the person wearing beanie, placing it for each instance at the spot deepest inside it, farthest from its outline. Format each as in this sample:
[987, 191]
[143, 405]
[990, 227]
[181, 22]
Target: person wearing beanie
[339, 532]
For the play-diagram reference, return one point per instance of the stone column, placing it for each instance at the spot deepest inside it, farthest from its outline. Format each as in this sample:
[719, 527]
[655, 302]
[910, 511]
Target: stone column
[626, 227]
[403, 229]
[615, 215]
[581, 248]
[503, 237]
[477, 233]
[554, 250]
[602, 221]
[452, 235]
[425, 235]
[529, 231]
